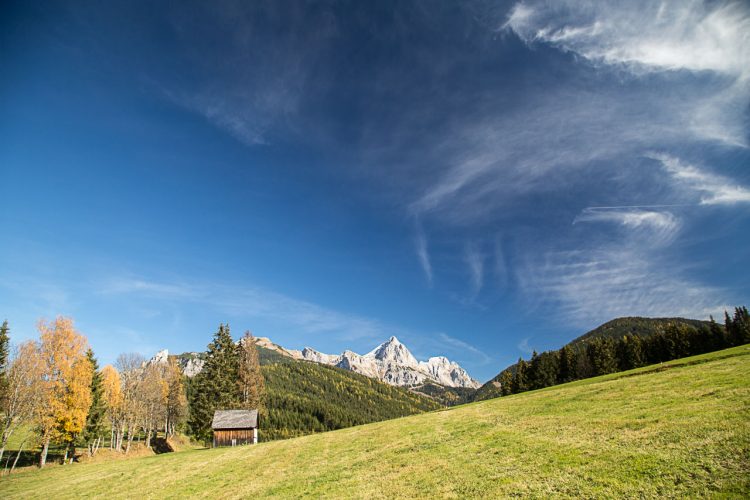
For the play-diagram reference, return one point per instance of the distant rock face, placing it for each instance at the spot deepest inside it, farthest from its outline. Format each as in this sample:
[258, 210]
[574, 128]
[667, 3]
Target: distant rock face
[192, 367]
[390, 362]
[393, 363]
[160, 358]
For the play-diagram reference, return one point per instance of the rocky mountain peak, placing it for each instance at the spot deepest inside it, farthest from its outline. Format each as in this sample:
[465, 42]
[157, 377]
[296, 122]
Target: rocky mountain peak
[393, 351]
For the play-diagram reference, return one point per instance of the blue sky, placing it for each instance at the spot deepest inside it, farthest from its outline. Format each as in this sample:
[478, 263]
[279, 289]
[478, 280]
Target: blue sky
[479, 179]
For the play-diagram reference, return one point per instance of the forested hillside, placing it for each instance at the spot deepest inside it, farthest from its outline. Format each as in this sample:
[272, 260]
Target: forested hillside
[304, 397]
[618, 345]
[643, 327]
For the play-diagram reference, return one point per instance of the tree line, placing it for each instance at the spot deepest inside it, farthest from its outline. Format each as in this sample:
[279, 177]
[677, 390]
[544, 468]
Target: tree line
[604, 355]
[54, 388]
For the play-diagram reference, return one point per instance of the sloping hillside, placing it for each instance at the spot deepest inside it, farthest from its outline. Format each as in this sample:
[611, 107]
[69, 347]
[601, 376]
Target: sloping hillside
[615, 329]
[675, 430]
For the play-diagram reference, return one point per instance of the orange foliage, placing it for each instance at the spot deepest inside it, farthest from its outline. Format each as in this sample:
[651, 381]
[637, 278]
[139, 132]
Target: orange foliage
[66, 380]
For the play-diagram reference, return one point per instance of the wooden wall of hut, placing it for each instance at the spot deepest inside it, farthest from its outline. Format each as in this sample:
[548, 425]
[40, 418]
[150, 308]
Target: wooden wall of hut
[233, 437]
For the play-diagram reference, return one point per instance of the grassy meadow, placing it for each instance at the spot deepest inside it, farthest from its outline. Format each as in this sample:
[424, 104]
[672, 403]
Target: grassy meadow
[672, 430]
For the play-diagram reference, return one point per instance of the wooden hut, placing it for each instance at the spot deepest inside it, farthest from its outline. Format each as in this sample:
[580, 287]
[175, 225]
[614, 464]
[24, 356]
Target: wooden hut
[235, 427]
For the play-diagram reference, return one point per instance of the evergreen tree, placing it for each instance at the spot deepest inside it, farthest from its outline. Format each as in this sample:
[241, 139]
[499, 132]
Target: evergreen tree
[739, 329]
[4, 352]
[718, 335]
[567, 367]
[547, 368]
[520, 378]
[532, 374]
[94, 428]
[215, 387]
[630, 352]
[250, 380]
[506, 383]
[601, 353]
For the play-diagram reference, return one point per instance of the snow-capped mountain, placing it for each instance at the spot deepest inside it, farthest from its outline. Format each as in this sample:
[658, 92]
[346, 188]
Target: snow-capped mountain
[390, 362]
[393, 363]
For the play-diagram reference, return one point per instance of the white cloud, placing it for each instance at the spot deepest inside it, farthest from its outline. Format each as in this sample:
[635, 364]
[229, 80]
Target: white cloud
[669, 35]
[595, 285]
[420, 242]
[475, 263]
[462, 348]
[715, 189]
[642, 37]
[257, 302]
[657, 226]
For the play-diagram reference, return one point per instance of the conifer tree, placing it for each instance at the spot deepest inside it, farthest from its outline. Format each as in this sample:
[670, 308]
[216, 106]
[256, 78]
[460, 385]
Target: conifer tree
[215, 387]
[739, 329]
[92, 432]
[718, 335]
[506, 383]
[251, 383]
[520, 379]
[567, 368]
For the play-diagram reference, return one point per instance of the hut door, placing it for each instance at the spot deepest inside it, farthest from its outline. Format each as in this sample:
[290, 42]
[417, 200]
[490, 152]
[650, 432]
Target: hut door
[234, 442]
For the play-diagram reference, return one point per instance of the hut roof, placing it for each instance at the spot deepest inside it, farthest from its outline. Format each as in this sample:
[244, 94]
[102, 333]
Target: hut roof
[235, 419]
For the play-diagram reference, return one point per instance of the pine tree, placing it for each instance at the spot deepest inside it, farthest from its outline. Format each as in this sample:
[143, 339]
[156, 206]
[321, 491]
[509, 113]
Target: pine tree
[718, 335]
[520, 379]
[250, 380]
[215, 387]
[533, 371]
[601, 353]
[739, 332]
[506, 383]
[92, 432]
[567, 368]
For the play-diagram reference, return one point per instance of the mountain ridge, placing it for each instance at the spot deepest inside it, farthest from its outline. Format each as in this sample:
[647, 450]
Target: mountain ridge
[393, 363]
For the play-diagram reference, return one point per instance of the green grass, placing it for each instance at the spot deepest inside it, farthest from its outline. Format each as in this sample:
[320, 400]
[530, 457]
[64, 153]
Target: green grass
[674, 430]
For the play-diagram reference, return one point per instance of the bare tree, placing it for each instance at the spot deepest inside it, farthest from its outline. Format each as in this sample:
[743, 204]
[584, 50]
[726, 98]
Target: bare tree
[23, 395]
[131, 367]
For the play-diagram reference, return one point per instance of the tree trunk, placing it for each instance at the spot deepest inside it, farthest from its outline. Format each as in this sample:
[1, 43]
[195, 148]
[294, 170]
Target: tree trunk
[20, 448]
[6, 436]
[130, 439]
[43, 455]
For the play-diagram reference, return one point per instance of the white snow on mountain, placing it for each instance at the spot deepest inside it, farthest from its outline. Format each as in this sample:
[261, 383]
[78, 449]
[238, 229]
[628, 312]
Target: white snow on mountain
[393, 363]
[390, 362]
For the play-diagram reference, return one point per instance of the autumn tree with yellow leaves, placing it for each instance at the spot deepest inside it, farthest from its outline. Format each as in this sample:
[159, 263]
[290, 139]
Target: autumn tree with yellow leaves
[65, 385]
[112, 390]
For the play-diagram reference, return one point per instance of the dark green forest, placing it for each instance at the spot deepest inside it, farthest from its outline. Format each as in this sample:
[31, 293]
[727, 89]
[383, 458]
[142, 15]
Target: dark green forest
[619, 345]
[304, 397]
[642, 327]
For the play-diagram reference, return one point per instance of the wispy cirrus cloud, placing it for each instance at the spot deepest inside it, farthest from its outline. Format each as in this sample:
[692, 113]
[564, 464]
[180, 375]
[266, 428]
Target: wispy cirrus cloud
[658, 226]
[461, 348]
[249, 301]
[420, 243]
[475, 264]
[642, 37]
[596, 284]
[715, 189]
